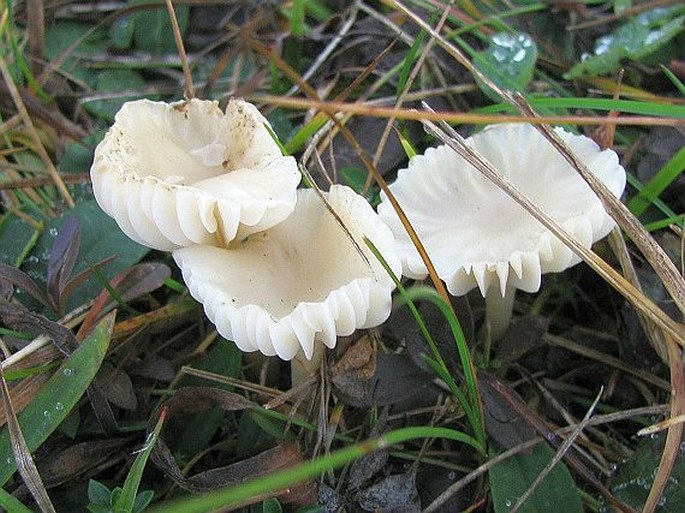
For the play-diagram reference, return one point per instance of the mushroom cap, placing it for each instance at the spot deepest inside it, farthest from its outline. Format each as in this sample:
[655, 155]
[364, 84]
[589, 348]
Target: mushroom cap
[300, 282]
[475, 234]
[185, 173]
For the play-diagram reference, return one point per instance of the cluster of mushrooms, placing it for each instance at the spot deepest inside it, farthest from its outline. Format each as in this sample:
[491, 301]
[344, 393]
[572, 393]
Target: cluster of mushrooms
[281, 271]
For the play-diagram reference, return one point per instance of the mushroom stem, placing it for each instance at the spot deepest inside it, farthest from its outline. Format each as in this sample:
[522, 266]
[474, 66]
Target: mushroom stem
[498, 310]
[301, 367]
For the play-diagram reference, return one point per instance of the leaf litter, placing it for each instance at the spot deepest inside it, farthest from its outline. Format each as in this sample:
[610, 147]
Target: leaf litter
[76, 268]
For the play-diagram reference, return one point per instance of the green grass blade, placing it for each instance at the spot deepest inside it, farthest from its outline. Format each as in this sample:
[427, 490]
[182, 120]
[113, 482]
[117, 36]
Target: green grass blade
[430, 294]
[11, 504]
[665, 223]
[643, 108]
[471, 405]
[669, 173]
[297, 15]
[58, 396]
[126, 501]
[658, 203]
[676, 81]
[310, 470]
[410, 58]
[297, 141]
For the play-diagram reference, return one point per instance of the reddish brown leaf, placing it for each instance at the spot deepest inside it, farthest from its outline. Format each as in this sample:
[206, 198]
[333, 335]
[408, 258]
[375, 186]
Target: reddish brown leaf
[20, 279]
[63, 255]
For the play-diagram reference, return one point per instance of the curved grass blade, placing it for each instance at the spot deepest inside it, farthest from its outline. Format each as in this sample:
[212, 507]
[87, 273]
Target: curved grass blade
[127, 500]
[651, 191]
[429, 294]
[472, 405]
[646, 108]
[59, 395]
[311, 469]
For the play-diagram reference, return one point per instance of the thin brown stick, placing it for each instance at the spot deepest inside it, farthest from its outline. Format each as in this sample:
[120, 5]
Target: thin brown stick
[30, 183]
[35, 18]
[22, 454]
[597, 420]
[190, 88]
[371, 168]
[410, 80]
[661, 263]
[606, 359]
[563, 449]
[675, 430]
[371, 109]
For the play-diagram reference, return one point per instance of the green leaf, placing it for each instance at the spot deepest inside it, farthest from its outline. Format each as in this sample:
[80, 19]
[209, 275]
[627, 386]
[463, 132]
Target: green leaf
[643, 35]
[297, 14]
[510, 478]
[78, 156]
[58, 396]
[407, 146]
[353, 177]
[17, 238]
[224, 359]
[152, 32]
[509, 61]
[101, 239]
[121, 32]
[635, 478]
[11, 504]
[271, 506]
[114, 81]
[620, 6]
[143, 500]
[675, 80]
[60, 36]
[99, 508]
[98, 493]
[410, 58]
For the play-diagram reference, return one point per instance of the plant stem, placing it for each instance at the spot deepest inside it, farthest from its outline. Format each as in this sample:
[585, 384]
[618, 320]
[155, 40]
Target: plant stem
[301, 367]
[498, 310]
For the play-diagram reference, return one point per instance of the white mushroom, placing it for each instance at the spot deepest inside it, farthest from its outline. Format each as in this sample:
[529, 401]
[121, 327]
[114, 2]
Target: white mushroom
[477, 236]
[185, 173]
[300, 284]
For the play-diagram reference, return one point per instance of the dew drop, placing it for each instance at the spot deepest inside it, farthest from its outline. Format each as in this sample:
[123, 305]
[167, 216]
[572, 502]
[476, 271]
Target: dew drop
[46, 413]
[53, 232]
[519, 55]
[59, 406]
[68, 372]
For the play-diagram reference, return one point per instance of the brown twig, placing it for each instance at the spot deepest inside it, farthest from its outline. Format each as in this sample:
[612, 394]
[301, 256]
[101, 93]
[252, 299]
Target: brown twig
[190, 88]
[371, 109]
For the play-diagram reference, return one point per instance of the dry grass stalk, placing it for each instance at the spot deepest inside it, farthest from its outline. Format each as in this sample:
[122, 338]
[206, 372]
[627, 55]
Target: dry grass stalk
[22, 453]
[39, 148]
[675, 430]
[561, 451]
[178, 38]
[371, 109]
